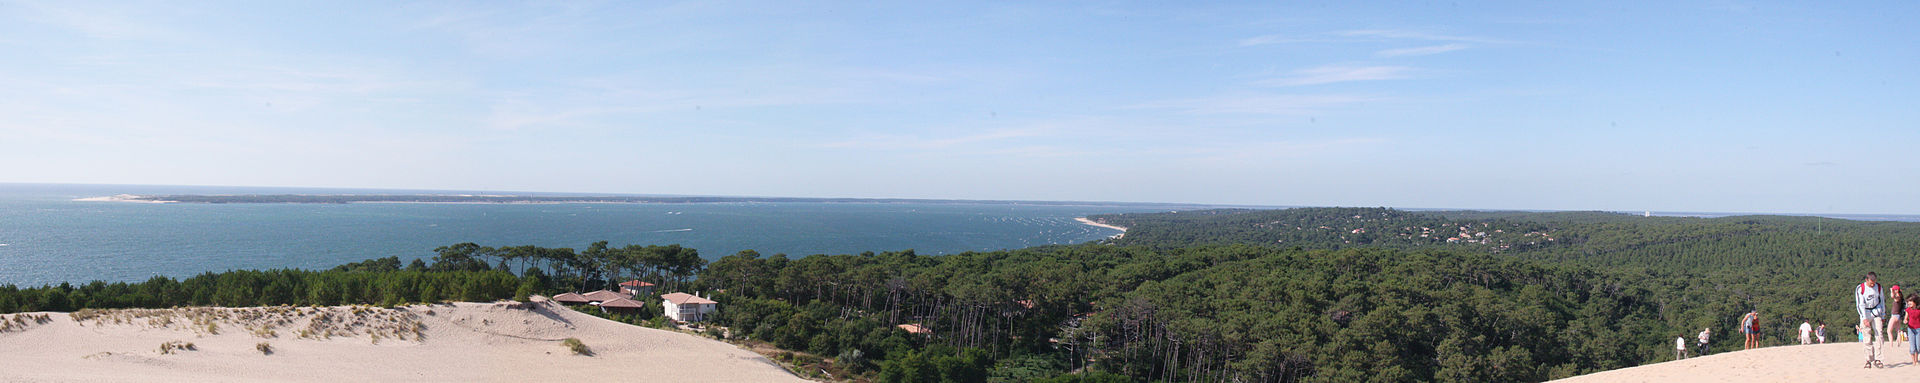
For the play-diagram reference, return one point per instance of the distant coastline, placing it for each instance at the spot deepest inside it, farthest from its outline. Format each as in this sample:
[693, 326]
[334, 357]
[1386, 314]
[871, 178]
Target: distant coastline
[528, 199]
[123, 198]
[1089, 222]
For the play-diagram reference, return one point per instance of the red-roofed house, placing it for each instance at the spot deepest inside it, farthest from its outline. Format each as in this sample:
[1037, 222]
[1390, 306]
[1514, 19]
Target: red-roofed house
[570, 298]
[636, 288]
[599, 296]
[688, 307]
[623, 305]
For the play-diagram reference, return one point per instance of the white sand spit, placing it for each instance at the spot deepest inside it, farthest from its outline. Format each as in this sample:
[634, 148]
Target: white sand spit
[460, 342]
[1089, 222]
[1832, 362]
[119, 198]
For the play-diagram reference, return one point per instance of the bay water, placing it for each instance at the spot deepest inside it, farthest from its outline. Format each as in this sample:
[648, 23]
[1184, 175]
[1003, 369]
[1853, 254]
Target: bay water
[50, 238]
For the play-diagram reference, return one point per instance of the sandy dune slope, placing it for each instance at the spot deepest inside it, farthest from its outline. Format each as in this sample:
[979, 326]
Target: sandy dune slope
[464, 342]
[1832, 362]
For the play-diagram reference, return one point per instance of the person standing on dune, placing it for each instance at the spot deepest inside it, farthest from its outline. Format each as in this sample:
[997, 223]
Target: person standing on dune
[1895, 328]
[1704, 333]
[1806, 333]
[1750, 326]
[1866, 301]
[1913, 328]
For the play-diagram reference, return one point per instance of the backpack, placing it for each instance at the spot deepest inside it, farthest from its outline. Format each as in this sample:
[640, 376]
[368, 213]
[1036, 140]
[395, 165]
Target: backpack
[1872, 296]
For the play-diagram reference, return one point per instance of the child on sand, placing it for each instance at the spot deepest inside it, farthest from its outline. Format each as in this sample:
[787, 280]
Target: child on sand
[1679, 348]
[1821, 332]
[1913, 328]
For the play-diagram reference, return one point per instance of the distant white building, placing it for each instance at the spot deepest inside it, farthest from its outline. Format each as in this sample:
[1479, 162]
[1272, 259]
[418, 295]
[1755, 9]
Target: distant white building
[688, 307]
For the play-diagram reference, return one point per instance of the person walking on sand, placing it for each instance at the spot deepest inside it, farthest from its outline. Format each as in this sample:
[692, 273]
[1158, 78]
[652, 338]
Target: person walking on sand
[1913, 328]
[1750, 326]
[1806, 333]
[1821, 332]
[1866, 302]
[1679, 348]
[1703, 340]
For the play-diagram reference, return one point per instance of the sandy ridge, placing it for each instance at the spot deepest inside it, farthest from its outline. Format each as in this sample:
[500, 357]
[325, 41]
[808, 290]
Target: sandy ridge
[1832, 362]
[462, 342]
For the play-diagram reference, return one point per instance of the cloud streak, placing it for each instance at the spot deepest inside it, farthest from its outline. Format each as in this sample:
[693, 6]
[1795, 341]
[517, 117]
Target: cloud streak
[1420, 51]
[1339, 74]
[1364, 36]
[1280, 39]
[1284, 105]
[921, 143]
[1400, 34]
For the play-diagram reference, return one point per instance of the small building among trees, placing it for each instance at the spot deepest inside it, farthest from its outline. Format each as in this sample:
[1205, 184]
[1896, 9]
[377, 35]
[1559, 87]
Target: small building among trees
[623, 305]
[915, 328]
[636, 288]
[571, 299]
[601, 296]
[687, 307]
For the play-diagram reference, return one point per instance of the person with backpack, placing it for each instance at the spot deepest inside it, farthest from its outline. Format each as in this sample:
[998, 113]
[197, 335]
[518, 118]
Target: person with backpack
[1867, 302]
[1750, 325]
[1703, 340]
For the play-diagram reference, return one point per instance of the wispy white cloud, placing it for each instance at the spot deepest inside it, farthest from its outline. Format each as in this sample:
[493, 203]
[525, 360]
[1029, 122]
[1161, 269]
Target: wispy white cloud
[1401, 34]
[1286, 104]
[108, 22]
[1337, 74]
[1420, 51]
[1267, 150]
[1279, 39]
[1363, 36]
[921, 142]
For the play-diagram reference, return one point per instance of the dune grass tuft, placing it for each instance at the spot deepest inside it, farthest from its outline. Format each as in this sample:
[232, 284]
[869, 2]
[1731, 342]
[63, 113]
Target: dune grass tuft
[577, 347]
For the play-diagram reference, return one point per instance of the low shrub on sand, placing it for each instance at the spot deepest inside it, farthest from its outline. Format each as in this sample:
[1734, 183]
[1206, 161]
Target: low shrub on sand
[173, 346]
[265, 349]
[577, 347]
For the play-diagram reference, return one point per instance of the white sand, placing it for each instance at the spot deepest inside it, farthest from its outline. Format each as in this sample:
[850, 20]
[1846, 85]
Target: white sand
[1089, 222]
[119, 198]
[464, 342]
[1832, 362]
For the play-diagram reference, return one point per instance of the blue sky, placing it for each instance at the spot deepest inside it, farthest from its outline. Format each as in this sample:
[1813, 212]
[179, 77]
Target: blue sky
[1672, 105]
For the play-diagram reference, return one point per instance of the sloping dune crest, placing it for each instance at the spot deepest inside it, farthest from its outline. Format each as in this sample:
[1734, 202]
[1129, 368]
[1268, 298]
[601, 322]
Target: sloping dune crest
[1832, 362]
[464, 342]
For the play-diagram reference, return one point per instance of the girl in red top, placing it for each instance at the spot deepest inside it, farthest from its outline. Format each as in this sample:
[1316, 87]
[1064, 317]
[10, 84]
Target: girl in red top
[1913, 327]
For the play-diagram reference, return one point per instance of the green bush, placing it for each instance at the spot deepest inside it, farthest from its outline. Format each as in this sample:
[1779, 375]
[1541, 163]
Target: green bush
[578, 348]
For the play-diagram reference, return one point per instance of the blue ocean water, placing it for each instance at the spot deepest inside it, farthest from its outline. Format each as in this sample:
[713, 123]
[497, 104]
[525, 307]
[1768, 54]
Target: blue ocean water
[49, 238]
